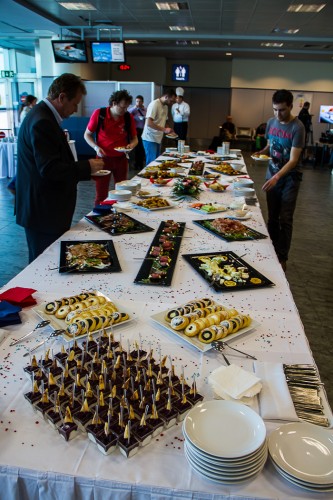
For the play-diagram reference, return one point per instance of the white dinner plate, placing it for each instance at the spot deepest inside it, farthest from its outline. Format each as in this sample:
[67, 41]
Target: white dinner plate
[303, 484]
[221, 208]
[229, 465]
[171, 205]
[123, 150]
[245, 217]
[57, 323]
[225, 428]
[235, 472]
[221, 478]
[149, 195]
[256, 158]
[101, 173]
[305, 451]
[194, 341]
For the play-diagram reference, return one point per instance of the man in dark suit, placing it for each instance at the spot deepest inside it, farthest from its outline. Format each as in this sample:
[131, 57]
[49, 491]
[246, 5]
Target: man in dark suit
[47, 174]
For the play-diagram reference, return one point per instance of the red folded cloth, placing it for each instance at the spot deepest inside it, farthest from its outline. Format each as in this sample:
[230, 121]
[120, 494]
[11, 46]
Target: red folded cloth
[19, 296]
[108, 202]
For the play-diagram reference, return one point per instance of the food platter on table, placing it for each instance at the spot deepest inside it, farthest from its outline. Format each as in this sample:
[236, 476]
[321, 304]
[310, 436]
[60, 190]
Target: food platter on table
[226, 272]
[145, 193]
[154, 203]
[224, 168]
[88, 256]
[207, 208]
[229, 229]
[160, 261]
[216, 321]
[119, 223]
[97, 305]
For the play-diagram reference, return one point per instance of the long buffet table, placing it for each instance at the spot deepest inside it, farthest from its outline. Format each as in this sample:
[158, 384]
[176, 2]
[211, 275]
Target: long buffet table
[35, 462]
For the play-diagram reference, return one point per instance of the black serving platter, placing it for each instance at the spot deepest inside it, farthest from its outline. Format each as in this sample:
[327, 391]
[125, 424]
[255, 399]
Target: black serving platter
[151, 266]
[123, 223]
[110, 263]
[255, 278]
[249, 234]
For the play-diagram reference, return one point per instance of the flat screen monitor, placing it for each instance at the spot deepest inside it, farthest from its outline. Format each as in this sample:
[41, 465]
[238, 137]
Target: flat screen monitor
[326, 114]
[108, 52]
[180, 72]
[69, 51]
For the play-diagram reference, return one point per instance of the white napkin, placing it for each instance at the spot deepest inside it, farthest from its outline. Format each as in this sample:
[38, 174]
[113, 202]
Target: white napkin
[274, 400]
[234, 382]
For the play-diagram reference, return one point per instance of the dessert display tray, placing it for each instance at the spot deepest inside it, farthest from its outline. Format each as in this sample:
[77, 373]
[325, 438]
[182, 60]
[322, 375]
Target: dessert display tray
[223, 271]
[151, 271]
[119, 223]
[246, 234]
[194, 341]
[57, 323]
[92, 256]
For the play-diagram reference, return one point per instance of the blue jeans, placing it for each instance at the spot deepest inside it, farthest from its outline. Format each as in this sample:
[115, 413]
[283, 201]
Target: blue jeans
[152, 150]
[281, 204]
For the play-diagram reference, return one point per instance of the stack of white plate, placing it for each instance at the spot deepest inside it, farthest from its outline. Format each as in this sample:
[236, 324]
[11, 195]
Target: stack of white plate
[244, 191]
[225, 441]
[131, 185]
[303, 454]
[119, 195]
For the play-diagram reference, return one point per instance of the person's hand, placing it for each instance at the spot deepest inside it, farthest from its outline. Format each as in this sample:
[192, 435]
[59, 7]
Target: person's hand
[96, 165]
[271, 183]
[169, 130]
[99, 151]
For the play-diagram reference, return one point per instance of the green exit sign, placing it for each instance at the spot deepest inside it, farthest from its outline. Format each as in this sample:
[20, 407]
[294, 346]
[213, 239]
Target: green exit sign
[7, 74]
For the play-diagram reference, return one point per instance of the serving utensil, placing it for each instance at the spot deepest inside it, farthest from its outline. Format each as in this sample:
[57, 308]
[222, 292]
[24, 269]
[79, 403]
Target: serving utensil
[41, 324]
[304, 385]
[55, 333]
[219, 345]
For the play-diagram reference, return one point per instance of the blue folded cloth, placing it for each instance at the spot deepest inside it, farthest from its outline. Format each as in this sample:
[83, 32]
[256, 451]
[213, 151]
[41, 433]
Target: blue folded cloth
[9, 314]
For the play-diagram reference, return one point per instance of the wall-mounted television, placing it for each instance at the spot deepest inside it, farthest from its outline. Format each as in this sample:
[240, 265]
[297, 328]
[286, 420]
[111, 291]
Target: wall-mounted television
[69, 51]
[180, 72]
[108, 52]
[326, 114]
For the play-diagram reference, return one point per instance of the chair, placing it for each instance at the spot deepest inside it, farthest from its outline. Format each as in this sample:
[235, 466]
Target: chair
[244, 138]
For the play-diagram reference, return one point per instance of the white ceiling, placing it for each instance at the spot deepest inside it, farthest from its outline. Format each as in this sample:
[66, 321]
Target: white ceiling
[236, 26]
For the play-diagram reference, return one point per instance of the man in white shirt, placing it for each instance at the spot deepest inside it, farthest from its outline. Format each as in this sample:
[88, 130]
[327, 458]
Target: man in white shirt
[156, 118]
[180, 114]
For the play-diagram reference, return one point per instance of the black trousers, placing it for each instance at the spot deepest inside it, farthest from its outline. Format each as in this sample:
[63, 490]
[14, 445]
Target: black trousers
[139, 152]
[181, 130]
[39, 241]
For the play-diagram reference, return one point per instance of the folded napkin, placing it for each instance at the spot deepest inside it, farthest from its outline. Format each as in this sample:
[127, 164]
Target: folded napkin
[108, 202]
[9, 314]
[234, 382]
[274, 400]
[19, 296]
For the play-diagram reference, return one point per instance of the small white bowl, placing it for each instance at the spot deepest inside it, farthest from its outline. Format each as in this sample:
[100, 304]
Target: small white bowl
[120, 195]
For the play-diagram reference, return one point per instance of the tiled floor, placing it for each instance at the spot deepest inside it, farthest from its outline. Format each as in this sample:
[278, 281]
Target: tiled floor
[310, 266]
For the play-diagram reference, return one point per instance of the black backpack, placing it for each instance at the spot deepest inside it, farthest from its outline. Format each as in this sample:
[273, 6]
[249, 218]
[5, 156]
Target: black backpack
[101, 118]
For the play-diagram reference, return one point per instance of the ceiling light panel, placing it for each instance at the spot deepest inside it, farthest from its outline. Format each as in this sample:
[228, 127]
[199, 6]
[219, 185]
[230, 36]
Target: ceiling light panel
[181, 28]
[172, 5]
[308, 8]
[77, 6]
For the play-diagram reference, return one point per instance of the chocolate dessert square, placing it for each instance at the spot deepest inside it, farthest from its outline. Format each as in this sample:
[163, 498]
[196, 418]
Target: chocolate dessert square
[68, 431]
[106, 443]
[128, 447]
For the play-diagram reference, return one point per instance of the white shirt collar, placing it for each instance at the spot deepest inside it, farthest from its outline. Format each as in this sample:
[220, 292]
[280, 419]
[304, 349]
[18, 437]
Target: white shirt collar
[54, 111]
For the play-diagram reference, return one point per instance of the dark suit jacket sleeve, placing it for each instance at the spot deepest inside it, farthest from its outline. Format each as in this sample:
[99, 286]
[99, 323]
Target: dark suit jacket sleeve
[47, 174]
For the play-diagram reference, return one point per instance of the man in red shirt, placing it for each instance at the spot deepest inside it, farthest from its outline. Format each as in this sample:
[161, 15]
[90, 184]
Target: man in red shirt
[116, 129]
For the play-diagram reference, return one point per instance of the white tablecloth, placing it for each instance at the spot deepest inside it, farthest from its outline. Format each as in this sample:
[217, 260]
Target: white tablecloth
[8, 152]
[35, 460]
